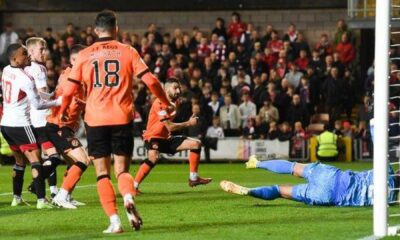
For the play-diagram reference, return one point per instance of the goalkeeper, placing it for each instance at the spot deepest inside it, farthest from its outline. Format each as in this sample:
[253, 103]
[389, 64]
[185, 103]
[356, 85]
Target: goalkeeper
[326, 185]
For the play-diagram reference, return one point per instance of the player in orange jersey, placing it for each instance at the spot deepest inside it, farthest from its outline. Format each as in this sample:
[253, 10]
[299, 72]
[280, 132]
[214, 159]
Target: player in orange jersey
[107, 69]
[62, 135]
[158, 137]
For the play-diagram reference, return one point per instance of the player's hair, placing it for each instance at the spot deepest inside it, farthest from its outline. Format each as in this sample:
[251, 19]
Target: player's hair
[77, 48]
[106, 20]
[12, 49]
[34, 40]
[172, 80]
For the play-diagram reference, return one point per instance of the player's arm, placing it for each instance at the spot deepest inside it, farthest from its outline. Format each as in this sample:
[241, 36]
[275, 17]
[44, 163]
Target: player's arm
[155, 87]
[35, 99]
[171, 126]
[69, 89]
[143, 73]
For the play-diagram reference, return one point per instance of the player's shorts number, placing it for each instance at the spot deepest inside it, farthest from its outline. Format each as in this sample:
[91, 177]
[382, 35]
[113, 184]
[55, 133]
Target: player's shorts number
[111, 67]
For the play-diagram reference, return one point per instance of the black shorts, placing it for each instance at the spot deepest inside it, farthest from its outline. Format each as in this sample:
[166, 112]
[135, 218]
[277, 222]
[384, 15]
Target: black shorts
[42, 138]
[20, 138]
[106, 140]
[168, 146]
[63, 138]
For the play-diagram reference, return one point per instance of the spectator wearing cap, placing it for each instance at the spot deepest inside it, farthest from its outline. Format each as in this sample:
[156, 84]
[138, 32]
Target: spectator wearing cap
[230, 117]
[268, 112]
[346, 50]
[247, 108]
[241, 73]
[297, 112]
[220, 29]
[293, 76]
[236, 26]
[220, 49]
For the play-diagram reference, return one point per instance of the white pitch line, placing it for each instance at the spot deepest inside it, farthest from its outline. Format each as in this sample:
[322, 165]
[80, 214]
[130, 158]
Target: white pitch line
[83, 186]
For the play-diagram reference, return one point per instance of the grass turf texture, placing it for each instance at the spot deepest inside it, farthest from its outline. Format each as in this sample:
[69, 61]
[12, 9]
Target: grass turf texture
[172, 210]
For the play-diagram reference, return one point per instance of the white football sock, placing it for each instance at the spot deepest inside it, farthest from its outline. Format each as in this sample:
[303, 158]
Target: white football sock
[53, 189]
[63, 194]
[193, 176]
[114, 219]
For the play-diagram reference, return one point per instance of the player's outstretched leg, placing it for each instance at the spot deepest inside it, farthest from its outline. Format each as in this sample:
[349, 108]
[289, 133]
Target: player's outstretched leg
[277, 166]
[126, 189]
[266, 192]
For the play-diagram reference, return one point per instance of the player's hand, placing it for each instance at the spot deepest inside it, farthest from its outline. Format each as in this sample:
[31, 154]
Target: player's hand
[59, 101]
[80, 101]
[193, 121]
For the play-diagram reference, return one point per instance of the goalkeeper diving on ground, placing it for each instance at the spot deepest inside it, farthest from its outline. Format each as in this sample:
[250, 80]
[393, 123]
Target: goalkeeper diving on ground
[326, 185]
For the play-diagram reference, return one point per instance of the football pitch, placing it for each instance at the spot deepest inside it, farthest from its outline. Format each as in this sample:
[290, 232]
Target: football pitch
[172, 210]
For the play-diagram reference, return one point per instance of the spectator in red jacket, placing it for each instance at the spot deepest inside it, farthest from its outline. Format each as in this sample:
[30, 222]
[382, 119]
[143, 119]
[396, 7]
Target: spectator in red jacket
[302, 61]
[275, 44]
[346, 50]
[236, 27]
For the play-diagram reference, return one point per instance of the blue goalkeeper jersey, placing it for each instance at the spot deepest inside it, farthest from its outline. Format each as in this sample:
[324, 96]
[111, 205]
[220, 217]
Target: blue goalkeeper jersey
[356, 188]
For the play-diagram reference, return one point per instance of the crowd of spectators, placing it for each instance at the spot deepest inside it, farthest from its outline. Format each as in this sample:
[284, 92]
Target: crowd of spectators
[240, 80]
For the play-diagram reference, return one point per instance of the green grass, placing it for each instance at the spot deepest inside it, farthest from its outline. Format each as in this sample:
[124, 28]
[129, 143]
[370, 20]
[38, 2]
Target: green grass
[172, 210]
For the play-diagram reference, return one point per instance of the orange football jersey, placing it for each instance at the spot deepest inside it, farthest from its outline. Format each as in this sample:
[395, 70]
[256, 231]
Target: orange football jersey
[155, 128]
[74, 110]
[107, 69]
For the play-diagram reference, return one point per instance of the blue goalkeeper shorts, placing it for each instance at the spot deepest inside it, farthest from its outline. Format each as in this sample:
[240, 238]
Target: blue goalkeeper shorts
[321, 186]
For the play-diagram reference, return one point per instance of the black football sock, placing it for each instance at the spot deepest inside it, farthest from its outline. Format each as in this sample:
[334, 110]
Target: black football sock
[18, 179]
[38, 180]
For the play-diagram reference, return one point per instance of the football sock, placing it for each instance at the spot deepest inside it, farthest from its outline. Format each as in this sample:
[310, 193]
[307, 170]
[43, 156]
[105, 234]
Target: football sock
[52, 181]
[144, 170]
[63, 194]
[125, 184]
[73, 176]
[18, 179]
[267, 192]
[38, 180]
[49, 166]
[194, 159]
[107, 195]
[114, 219]
[277, 166]
[193, 176]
